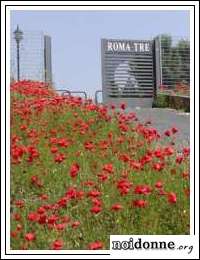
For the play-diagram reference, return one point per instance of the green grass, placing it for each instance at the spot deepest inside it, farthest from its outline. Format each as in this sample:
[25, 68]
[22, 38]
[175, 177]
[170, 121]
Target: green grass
[79, 123]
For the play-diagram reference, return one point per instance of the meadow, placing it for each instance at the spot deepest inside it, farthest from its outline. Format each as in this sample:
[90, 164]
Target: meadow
[81, 172]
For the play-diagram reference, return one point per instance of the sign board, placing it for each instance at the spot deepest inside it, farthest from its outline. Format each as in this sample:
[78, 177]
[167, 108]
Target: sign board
[128, 72]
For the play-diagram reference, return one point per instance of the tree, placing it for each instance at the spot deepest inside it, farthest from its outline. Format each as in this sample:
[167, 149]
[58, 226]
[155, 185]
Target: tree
[175, 61]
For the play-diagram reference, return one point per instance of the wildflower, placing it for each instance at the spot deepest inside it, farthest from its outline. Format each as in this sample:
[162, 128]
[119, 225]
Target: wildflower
[41, 210]
[60, 226]
[123, 106]
[52, 219]
[167, 133]
[75, 224]
[94, 193]
[140, 203]
[13, 234]
[63, 142]
[168, 151]
[42, 219]
[172, 197]
[159, 184]
[54, 149]
[59, 158]
[32, 216]
[174, 130]
[16, 216]
[179, 159]
[142, 189]
[116, 207]
[43, 196]
[158, 166]
[95, 245]
[74, 170]
[19, 203]
[108, 168]
[30, 236]
[57, 245]
[186, 151]
[89, 145]
[96, 209]
[96, 202]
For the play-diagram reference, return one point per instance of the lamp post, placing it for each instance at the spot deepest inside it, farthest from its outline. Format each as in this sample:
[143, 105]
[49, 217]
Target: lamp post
[18, 37]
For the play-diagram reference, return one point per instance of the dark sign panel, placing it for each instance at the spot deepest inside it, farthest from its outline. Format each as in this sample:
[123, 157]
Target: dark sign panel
[127, 69]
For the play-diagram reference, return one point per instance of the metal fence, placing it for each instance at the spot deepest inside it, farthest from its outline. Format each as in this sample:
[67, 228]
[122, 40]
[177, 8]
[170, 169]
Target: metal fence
[174, 58]
[34, 57]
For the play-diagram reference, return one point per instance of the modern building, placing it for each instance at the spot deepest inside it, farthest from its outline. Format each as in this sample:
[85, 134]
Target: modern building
[34, 57]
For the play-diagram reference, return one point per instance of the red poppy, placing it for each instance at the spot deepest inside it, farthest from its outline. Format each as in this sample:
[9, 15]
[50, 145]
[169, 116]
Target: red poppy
[23, 127]
[140, 203]
[74, 170]
[19, 203]
[179, 159]
[43, 196]
[94, 193]
[13, 234]
[143, 189]
[167, 133]
[42, 219]
[59, 158]
[124, 186]
[108, 168]
[95, 245]
[96, 209]
[41, 210]
[174, 130]
[168, 150]
[16, 216]
[123, 106]
[75, 224]
[89, 145]
[30, 236]
[116, 207]
[158, 166]
[52, 219]
[60, 226]
[172, 197]
[102, 177]
[96, 202]
[54, 149]
[57, 245]
[32, 216]
[159, 184]
[186, 151]
[62, 202]
[63, 142]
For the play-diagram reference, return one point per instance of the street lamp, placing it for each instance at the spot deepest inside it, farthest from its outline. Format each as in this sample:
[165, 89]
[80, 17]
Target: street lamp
[18, 37]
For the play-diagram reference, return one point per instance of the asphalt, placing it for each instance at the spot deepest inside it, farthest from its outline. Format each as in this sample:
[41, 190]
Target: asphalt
[163, 119]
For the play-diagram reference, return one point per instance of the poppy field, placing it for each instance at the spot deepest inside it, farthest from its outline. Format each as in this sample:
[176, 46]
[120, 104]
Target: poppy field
[81, 172]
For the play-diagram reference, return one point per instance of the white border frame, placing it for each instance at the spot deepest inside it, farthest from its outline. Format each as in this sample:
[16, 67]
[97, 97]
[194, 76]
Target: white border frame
[194, 98]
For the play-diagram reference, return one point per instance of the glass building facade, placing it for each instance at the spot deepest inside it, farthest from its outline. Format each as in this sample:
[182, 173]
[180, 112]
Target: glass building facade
[34, 57]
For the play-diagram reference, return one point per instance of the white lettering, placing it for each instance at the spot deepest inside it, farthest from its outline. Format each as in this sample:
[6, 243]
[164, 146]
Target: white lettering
[115, 46]
[135, 46]
[142, 47]
[125, 46]
[121, 46]
[110, 46]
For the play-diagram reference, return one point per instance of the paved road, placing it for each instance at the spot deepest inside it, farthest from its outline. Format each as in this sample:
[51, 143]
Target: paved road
[163, 119]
